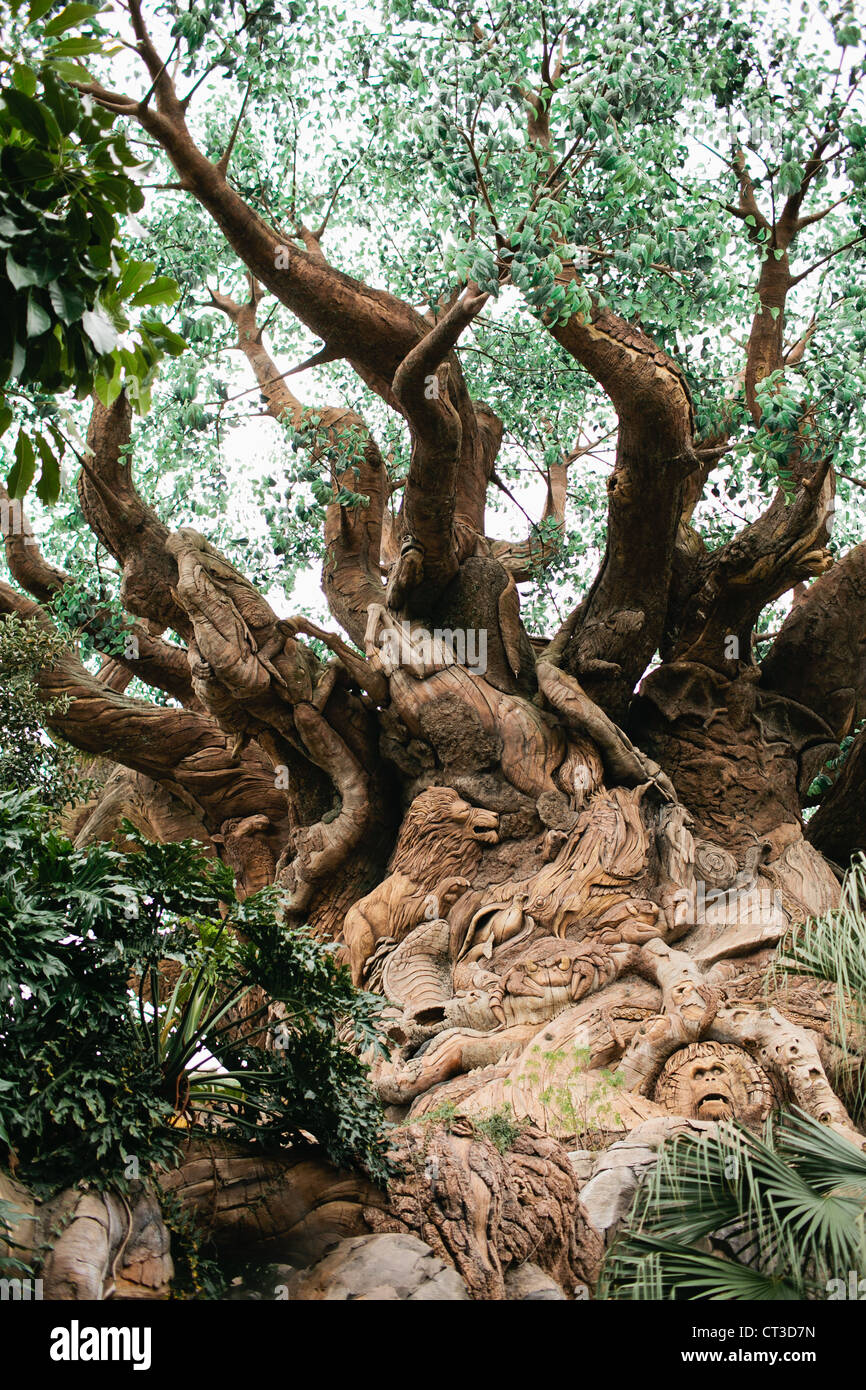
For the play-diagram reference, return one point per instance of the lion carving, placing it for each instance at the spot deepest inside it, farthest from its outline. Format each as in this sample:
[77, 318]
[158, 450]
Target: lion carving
[438, 850]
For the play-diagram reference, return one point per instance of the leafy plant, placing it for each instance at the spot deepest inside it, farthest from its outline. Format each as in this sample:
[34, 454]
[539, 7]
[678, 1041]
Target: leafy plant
[443, 1114]
[9, 1219]
[833, 948]
[96, 1073]
[29, 758]
[97, 624]
[197, 1272]
[220, 1010]
[501, 1126]
[69, 288]
[733, 1216]
[569, 1107]
[822, 783]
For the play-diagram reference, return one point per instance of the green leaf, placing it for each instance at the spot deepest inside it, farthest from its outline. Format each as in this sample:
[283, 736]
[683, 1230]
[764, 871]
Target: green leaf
[72, 72]
[66, 302]
[100, 330]
[164, 337]
[38, 319]
[21, 473]
[108, 388]
[136, 274]
[74, 48]
[33, 116]
[65, 104]
[162, 290]
[70, 16]
[48, 486]
[20, 276]
[24, 79]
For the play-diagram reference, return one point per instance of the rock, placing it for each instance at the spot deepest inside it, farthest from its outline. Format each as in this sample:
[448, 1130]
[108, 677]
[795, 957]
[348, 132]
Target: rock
[383, 1268]
[608, 1194]
[529, 1284]
[583, 1162]
[624, 1155]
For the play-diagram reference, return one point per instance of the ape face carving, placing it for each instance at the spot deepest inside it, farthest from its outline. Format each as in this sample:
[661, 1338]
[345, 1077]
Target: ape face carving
[714, 1081]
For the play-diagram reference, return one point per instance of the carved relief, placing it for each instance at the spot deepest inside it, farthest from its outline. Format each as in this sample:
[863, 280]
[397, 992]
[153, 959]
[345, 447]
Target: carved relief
[439, 847]
[501, 975]
[714, 1081]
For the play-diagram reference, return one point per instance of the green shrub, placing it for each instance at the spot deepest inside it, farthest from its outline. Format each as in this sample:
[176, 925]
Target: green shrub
[94, 1075]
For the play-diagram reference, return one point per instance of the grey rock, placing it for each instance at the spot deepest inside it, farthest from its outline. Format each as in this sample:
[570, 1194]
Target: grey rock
[617, 1172]
[384, 1268]
[607, 1197]
[623, 1157]
[582, 1161]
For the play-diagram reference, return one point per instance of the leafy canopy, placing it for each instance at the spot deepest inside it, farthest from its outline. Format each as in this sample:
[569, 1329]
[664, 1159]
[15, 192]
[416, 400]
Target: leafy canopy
[29, 758]
[405, 125]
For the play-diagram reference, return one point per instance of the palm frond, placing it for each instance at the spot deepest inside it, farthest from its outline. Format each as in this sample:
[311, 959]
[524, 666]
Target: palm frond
[833, 948]
[735, 1215]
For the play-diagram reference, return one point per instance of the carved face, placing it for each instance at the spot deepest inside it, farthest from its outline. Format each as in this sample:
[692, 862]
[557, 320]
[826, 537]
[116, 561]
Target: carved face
[441, 837]
[481, 825]
[714, 1081]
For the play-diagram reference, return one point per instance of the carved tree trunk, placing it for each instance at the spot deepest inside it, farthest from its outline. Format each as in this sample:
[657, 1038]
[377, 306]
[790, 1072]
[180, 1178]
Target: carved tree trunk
[548, 862]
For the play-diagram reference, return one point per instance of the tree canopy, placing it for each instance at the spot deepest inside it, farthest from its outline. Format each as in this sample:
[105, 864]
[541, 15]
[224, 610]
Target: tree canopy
[677, 170]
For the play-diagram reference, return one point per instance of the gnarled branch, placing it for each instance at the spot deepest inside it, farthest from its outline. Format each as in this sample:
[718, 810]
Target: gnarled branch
[819, 656]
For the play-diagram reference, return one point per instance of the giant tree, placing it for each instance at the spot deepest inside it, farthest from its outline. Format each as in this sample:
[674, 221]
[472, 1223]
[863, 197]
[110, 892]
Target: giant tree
[549, 791]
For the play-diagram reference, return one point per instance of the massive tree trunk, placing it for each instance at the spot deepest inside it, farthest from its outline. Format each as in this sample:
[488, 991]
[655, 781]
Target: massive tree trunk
[548, 861]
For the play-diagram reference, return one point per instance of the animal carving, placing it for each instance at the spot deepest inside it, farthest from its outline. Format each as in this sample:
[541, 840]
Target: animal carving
[493, 924]
[557, 972]
[247, 851]
[587, 888]
[438, 851]
[596, 868]
[715, 1081]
